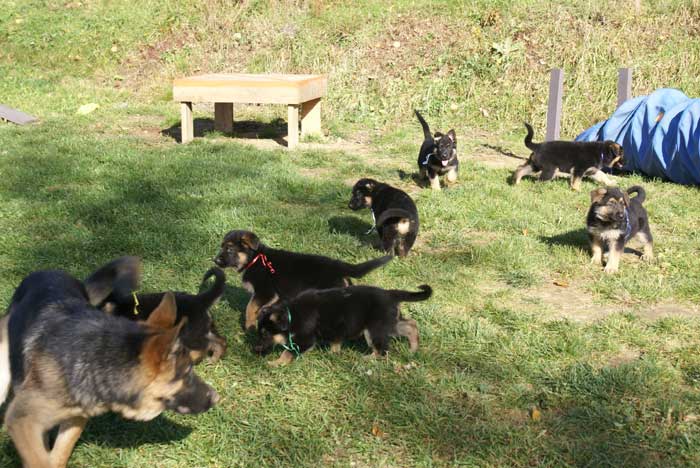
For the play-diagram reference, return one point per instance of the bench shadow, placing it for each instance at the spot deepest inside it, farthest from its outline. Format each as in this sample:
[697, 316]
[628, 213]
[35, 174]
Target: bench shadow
[275, 130]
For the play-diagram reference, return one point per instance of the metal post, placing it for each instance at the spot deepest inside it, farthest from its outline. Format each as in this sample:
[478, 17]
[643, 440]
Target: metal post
[556, 90]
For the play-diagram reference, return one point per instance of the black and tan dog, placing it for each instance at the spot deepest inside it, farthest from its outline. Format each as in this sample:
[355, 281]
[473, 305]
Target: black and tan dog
[437, 158]
[578, 158]
[613, 219]
[273, 274]
[394, 214]
[199, 334]
[336, 315]
[68, 361]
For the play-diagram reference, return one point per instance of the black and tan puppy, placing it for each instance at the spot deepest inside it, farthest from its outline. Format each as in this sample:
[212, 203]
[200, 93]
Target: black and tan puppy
[336, 315]
[437, 155]
[613, 219]
[273, 274]
[68, 361]
[394, 214]
[578, 158]
[199, 334]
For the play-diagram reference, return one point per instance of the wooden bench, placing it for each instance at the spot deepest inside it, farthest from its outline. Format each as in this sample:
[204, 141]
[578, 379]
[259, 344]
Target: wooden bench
[301, 93]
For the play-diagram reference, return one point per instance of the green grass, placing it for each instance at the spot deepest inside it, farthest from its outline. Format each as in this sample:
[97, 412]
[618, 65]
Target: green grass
[615, 385]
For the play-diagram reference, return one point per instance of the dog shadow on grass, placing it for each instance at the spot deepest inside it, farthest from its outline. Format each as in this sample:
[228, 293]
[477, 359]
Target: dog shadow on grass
[355, 227]
[249, 129]
[421, 182]
[578, 238]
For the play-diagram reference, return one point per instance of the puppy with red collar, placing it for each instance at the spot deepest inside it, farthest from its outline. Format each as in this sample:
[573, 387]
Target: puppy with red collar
[274, 274]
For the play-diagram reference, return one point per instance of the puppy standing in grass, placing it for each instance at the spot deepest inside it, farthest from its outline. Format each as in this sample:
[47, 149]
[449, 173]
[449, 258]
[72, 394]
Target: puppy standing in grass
[439, 158]
[199, 334]
[68, 361]
[394, 214]
[613, 219]
[273, 274]
[574, 157]
[336, 315]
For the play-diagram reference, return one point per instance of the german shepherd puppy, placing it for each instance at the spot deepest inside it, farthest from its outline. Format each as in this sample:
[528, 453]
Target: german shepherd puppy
[336, 315]
[198, 334]
[394, 214]
[579, 158]
[437, 158]
[68, 361]
[270, 274]
[613, 219]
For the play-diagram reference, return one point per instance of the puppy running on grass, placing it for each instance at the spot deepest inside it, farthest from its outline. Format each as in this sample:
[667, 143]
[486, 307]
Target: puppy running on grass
[578, 158]
[337, 315]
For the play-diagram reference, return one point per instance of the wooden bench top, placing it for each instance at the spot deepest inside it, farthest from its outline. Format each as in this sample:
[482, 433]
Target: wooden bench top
[250, 88]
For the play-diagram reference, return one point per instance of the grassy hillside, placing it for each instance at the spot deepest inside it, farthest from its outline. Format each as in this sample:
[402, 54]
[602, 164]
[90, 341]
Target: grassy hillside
[529, 355]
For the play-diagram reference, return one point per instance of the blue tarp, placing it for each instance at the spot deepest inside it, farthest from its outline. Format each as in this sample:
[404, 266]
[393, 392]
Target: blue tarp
[660, 134]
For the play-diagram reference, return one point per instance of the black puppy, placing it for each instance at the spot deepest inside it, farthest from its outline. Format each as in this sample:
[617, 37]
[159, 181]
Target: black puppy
[613, 219]
[437, 158]
[198, 334]
[394, 214]
[273, 274]
[579, 158]
[336, 315]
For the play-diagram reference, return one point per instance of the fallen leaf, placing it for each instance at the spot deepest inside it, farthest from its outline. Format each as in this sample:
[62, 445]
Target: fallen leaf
[484, 112]
[376, 432]
[396, 44]
[561, 283]
[87, 108]
[525, 231]
[535, 414]
[691, 418]
[114, 49]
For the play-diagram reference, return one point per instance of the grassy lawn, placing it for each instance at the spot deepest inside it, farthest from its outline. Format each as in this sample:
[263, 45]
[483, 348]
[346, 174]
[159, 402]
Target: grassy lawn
[529, 355]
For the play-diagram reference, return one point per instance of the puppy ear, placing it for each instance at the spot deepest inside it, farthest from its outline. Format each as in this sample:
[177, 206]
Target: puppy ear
[626, 199]
[250, 240]
[598, 194]
[165, 314]
[452, 135]
[160, 345]
[614, 149]
[369, 185]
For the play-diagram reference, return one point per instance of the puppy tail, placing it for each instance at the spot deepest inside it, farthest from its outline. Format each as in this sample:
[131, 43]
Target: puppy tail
[392, 213]
[5, 375]
[408, 296]
[426, 130]
[361, 269]
[528, 137]
[641, 194]
[120, 276]
[213, 294]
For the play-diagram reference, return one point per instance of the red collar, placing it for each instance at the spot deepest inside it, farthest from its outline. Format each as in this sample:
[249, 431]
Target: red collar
[265, 261]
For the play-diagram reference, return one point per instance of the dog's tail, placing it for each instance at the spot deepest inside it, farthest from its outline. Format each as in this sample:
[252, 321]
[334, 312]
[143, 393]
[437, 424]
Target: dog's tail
[408, 296]
[361, 269]
[5, 375]
[641, 194]
[424, 124]
[392, 213]
[211, 295]
[528, 138]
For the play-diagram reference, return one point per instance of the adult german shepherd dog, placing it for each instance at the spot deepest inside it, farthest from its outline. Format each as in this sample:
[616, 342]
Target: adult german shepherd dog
[67, 361]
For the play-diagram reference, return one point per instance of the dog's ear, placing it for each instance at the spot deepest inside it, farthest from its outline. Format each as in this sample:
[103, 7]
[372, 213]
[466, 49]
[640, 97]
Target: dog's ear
[159, 346]
[369, 185]
[614, 149]
[626, 199]
[250, 240]
[165, 314]
[120, 276]
[452, 135]
[598, 194]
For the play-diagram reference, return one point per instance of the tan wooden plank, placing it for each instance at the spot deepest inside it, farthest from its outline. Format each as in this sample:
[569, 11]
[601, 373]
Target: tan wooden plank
[187, 122]
[292, 126]
[223, 117]
[15, 116]
[311, 117]
[251, 95]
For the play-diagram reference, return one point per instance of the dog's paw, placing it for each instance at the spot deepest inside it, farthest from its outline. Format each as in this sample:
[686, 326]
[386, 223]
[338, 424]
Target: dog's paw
[610, 269]
[648, 257]
[595, 260]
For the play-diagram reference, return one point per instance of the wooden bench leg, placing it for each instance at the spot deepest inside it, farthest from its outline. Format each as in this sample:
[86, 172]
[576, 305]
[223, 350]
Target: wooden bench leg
[186, 122]
[223, 117]
[292, 125]
[311, 117]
